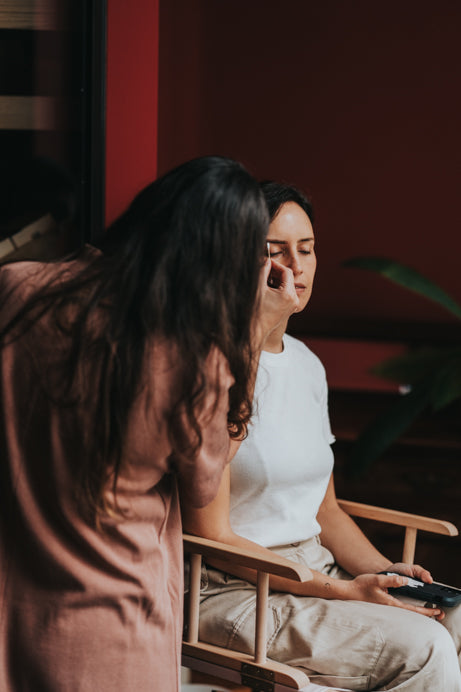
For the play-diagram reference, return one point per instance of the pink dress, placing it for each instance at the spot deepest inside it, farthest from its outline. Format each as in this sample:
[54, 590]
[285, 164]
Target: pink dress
[83, 610]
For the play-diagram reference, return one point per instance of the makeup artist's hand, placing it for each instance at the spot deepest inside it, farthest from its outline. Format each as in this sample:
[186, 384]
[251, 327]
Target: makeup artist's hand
[278, 298]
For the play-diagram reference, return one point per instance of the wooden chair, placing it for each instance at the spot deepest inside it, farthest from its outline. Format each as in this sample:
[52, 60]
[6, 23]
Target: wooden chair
[257, 672]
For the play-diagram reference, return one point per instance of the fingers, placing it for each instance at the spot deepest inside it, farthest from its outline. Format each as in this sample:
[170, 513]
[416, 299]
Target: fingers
[415, 571]
[391, 581]
[281, 279]
[278, 299]
[266, 271]
[418, 572]
[423, 574]
[281, 276]
[436, 612]
[375, 589]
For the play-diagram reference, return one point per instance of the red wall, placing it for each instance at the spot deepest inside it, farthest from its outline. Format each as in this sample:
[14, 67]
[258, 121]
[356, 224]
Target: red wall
[132, 100]
[359, 103]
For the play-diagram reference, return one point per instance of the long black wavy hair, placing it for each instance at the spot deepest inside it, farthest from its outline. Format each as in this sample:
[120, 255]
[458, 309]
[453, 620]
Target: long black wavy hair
[182, 264]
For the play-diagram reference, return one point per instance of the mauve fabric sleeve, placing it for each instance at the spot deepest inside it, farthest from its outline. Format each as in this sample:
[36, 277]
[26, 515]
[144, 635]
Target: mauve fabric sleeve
[199, 478]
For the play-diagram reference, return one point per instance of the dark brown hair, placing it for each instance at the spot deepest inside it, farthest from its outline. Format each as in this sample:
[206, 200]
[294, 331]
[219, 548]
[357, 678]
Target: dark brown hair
[182, 263]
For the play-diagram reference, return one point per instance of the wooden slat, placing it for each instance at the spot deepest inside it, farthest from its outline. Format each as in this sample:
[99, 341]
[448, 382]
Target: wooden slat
[194, 597]
[274, 565]
[28, 14]
[409, 545]
[6, 247]
[29, 113]
[390, 516]
[226, 658]
[262, 604]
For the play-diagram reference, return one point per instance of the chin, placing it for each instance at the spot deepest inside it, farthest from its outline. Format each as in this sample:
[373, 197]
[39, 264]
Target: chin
[303, 303]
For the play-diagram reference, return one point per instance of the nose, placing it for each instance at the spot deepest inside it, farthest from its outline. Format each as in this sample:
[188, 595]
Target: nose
[295, 264]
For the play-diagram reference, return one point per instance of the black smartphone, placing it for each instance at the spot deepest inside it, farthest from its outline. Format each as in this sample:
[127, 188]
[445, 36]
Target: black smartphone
[440, 594]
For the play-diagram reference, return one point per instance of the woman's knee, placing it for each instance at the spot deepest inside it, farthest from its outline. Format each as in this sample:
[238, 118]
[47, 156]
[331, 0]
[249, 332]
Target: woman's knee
[452, 622]
[419, 650]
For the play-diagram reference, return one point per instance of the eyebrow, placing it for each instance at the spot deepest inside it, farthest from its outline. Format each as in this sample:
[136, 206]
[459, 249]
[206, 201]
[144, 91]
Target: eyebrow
[284, 242]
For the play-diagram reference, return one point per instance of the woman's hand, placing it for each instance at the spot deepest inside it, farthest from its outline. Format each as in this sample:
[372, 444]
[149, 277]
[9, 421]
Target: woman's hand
[278, 298]
[415, 571]
[373, 588]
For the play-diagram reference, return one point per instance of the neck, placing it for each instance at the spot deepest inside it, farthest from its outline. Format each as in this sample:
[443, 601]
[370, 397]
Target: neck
[273, 342]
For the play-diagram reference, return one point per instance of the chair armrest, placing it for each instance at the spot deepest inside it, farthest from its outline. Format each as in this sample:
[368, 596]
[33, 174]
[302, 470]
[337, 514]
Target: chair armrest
[233, 665]
[275, 564]
[390, 516]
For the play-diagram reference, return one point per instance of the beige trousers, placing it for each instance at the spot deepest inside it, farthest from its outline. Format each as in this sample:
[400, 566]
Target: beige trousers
[351, 644]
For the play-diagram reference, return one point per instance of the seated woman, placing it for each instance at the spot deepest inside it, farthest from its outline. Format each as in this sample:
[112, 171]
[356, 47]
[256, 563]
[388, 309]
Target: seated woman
[343, 627]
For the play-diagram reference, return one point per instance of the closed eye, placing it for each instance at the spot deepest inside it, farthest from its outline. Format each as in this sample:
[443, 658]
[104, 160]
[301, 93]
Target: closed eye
[280, 248]
[284, 252]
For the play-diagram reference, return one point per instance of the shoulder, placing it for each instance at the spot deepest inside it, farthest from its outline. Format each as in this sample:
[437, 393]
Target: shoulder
[34, 274]
[19, 277]
[16, 272]
[298, 349]
[20, 281]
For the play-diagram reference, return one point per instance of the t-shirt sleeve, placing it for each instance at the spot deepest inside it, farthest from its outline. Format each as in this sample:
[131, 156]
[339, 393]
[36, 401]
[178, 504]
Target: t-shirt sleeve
[326, 416]
[323, 385]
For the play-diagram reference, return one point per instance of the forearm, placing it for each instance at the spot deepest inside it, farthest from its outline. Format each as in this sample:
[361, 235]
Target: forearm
[320, 586]
[341, 535]
[351, 548]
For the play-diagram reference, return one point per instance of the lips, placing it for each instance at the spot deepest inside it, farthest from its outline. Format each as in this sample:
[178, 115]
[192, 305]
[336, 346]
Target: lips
[300, 287]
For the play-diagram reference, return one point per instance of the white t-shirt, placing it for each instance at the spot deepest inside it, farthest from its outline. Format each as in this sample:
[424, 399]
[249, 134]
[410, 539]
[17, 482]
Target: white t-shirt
[280, 473]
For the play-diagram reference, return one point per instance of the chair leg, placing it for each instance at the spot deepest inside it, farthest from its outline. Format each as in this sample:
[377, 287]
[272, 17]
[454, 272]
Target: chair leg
[262, 601]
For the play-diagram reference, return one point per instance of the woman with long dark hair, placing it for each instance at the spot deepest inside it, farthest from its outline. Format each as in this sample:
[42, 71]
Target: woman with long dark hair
[125, 372]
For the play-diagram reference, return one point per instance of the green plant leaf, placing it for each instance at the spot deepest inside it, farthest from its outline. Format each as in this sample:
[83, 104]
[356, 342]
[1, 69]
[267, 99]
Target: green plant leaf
[408, 278]
[415, 365]
[447, 384]
[384, 430]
